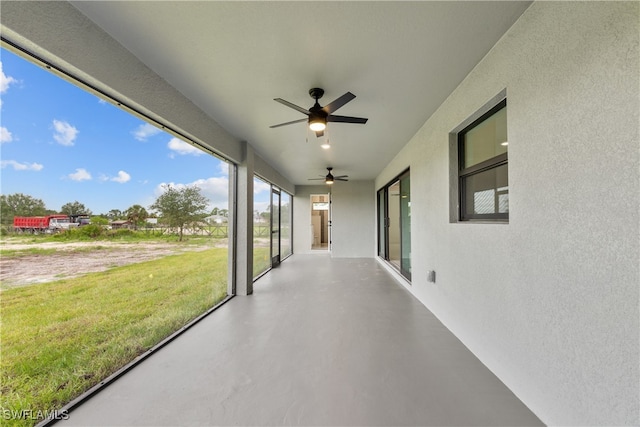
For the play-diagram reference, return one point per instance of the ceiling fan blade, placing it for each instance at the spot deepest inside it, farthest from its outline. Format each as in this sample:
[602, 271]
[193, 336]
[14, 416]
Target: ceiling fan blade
[290, 105]
[340, 179]
[341, 176]
[289, 123]
[317, 179]
[333, 106]
[346, 119]
[319, 133]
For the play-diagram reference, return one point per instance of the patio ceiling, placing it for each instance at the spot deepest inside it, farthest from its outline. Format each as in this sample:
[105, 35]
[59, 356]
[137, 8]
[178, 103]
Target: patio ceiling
[231, 59]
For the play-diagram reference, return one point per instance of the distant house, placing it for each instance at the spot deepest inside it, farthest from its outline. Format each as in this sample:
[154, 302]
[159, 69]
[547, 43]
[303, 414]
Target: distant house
[121, 223]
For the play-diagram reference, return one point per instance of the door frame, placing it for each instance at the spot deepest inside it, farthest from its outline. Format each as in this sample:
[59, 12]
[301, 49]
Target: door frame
[275, 227]
[383, 227]
[327, 227]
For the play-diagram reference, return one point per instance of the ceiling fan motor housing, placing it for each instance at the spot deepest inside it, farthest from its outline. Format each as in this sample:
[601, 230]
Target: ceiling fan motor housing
[316, 93]
[316, 113]
[329, 175]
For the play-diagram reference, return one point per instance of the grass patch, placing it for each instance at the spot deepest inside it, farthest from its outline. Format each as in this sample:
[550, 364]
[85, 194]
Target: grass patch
[59, 339]
[261, 260]
[17, 253]
[93, 234]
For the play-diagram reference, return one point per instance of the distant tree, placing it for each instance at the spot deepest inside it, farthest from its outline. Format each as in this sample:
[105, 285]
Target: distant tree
[137, 215]
[223, 212]
[180, 206]
[215, 211]
[19, 204]
[75, 208]
[284, 210]
[114, 214]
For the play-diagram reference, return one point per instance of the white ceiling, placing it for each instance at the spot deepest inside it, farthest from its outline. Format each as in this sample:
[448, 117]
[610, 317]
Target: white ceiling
[231, 59]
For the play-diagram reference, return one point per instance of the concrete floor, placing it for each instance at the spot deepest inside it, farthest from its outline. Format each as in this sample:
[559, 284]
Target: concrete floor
[321, 342]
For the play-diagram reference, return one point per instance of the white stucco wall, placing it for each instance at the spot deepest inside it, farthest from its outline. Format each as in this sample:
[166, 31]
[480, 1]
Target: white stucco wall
[302, 234]
[549, 302]
[352, 217]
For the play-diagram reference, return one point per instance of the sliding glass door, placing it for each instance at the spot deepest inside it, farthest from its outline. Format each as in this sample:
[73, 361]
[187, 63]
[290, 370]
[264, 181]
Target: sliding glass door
[394, 224]
[405, 225]
[271, 226]
[285, 225]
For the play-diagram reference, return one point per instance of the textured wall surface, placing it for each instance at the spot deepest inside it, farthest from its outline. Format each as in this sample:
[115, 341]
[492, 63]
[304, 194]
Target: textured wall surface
[549, 301]
[353, 218]
[302, 234]
[264, 169]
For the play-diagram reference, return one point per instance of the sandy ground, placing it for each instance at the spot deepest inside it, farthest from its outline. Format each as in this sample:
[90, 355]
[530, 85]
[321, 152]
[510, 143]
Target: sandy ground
[77, 258]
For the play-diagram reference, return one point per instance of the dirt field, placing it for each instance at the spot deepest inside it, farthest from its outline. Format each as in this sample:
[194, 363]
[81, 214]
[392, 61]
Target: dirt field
[74, 259]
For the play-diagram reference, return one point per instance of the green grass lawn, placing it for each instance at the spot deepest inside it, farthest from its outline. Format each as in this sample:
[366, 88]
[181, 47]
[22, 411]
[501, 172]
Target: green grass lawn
[61, 338]
[261, 260]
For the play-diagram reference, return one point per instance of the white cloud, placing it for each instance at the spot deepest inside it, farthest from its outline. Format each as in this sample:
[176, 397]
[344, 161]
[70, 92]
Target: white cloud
[145, 131]
[21, 166]
[64, 133]
[80, 175]
[5, 135]
[223, 168]
[122, 177]
[260, 186]
[5, 81]
[214, 188]
[182, 148]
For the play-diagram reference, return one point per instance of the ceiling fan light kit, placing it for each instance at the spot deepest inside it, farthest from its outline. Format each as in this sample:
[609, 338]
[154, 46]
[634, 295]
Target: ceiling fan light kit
[317, 124]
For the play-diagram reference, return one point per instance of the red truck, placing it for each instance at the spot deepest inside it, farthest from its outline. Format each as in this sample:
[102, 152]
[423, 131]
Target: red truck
[42, 224]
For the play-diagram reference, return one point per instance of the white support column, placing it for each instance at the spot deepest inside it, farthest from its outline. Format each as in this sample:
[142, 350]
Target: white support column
[243, 215]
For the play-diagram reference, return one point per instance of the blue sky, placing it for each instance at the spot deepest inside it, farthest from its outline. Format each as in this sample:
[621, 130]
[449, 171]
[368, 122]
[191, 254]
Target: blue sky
[62, 144]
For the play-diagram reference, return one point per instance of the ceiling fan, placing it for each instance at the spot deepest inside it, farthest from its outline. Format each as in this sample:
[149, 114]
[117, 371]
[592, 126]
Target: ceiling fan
[318, 116]
[330, 179]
